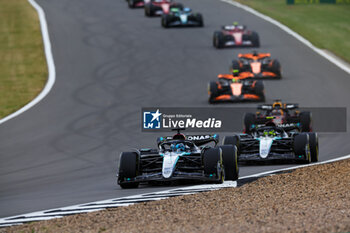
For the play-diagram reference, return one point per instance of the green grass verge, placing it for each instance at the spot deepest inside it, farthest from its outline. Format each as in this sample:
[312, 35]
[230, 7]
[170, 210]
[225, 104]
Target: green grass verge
[327, 26]
[23, 69]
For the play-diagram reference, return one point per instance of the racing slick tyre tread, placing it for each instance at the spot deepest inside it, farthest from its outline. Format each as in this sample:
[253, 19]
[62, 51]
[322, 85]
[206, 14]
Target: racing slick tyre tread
[213, 91]
[249, 120]
[131, 4]
[276, 68]
[128, 168]
[230, 161]
[259, 89]
[211, 158]
[199, 19]
[301, 146]
[165, 20]
[232, 140]
[305, 121]
[313, 141]
[218, 40]
[255, 39]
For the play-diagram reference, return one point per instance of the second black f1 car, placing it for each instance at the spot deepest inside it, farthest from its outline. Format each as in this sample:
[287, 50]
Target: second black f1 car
[179, 157]
[273, 144]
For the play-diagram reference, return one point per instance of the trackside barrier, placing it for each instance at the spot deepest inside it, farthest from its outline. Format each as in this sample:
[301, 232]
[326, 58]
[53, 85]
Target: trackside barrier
[291, 2]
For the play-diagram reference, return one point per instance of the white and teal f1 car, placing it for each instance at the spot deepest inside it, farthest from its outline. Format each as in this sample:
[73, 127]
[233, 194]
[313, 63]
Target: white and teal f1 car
[179, 157]
[182, 18]
[273, 144]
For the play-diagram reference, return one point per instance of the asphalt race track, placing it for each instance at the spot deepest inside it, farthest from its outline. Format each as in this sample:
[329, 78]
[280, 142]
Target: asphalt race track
[110, 62]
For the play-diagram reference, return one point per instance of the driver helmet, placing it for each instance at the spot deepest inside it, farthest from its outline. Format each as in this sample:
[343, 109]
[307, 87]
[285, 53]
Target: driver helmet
[235, 23]
[235, 80]
[277, 112]
[270, 133]
[180, 147]
[179, 136]
[235, 72]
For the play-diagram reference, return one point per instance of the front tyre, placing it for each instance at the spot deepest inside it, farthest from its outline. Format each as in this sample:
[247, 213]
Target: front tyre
[313, 140]
[128, 169]
[213, 164]
[230, 161]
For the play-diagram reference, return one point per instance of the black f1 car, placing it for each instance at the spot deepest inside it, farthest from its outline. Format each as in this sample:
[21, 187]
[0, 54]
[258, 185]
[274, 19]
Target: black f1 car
[182, 18]
[272, 143]
[230, 88]
[235, 36]
[160, 7]
[283, 115]
[179, 157]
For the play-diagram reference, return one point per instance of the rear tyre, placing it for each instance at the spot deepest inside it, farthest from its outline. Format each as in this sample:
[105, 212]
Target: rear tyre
[301, 146]
[149, 10]
[213, 165]
[230, 161]
[259, 89]
[218, 40]
[128, 169]
[232, 140]
[213, 91]
[305, 121]
[199, 19]
[255, 39]
[313, 141]
[276, 68]
[249, 121]
[131, 3]
[165, 20]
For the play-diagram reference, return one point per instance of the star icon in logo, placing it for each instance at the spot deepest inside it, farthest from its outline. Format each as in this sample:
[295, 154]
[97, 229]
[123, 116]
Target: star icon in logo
[156, 115]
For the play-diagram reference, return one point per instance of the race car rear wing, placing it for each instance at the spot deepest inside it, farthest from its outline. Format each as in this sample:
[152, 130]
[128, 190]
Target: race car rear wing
[198, 140]
[270, 107]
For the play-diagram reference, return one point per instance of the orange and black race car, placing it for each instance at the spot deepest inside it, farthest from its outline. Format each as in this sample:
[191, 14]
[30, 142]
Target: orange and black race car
[257, 65]
[231, 88]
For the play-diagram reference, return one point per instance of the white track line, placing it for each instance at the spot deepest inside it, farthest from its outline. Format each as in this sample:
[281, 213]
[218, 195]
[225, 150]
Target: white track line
[50, 64]
[324, 54]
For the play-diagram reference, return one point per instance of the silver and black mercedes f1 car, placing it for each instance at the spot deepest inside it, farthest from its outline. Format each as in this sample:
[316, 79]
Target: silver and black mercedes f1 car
[182, 18]
[273, 144]
[179, 157]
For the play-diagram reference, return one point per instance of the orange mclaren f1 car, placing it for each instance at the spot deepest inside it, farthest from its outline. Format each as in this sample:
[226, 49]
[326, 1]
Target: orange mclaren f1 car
[232, 88]
[257, 65]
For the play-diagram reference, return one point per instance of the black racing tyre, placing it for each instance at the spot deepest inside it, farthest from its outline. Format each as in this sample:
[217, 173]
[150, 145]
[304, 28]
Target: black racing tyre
[213, 91]
[212, 159]
[305, 121]
[218, 40]
[249, 120]
[313, 141]
[131, 3]
[276, 68]
[149, 10]
[259, 88]
[235, 66]
[165, 20]
[232, 140]
[255, 39]
[301, 146]
[199, 19]
[128, 168]
[230, 161]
